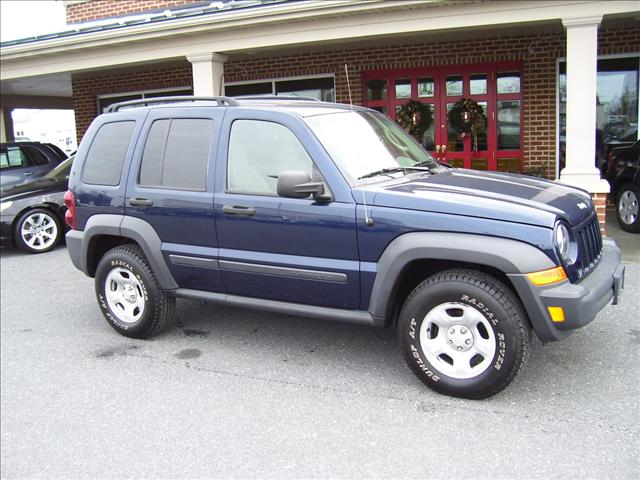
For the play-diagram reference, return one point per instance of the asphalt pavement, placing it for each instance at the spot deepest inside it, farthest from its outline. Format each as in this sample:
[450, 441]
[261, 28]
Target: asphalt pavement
[231, 393]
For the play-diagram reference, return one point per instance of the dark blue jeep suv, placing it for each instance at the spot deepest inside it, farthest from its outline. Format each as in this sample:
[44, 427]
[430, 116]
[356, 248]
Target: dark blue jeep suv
[331, 211]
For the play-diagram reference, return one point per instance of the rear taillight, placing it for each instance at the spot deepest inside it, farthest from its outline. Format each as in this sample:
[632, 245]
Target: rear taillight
[70, 215]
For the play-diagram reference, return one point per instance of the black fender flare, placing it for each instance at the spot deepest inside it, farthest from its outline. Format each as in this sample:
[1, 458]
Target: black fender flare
[506, 255]
[123, 226]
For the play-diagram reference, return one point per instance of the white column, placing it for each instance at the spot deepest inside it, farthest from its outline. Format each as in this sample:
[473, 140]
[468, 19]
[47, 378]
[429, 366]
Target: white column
[582, 75]
[208, 73]
[3, 133]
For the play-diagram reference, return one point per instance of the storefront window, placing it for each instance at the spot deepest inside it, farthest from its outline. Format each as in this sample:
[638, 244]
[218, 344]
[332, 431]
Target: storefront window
[616, 105]
[321, 88]
[105, 100]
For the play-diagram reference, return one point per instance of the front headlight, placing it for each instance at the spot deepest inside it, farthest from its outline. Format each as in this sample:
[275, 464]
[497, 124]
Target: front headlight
[565, 244]
[5, 205]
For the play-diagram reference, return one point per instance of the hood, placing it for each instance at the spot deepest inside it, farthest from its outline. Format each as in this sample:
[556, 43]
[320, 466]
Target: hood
[500, 196]
[37, 187]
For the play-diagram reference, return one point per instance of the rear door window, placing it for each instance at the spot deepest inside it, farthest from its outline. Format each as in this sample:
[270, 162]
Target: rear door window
[107, 153]
[13, 157]
[176, 154]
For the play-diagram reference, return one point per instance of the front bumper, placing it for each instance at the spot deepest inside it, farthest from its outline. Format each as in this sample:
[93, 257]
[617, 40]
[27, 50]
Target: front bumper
[6, 228]
[581, 302]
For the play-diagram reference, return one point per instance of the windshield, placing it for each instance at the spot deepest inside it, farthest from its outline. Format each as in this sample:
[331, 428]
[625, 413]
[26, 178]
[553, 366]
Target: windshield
[362, 142]
[61, 171]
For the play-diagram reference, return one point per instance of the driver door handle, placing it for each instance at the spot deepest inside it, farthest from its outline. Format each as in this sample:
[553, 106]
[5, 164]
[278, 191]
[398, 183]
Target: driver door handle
[238, 210]
[140, 202]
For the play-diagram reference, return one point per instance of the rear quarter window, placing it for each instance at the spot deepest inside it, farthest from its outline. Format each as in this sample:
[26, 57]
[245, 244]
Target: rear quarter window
[108, 150]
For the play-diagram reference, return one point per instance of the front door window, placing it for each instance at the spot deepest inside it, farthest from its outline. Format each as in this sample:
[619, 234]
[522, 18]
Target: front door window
[496, 88]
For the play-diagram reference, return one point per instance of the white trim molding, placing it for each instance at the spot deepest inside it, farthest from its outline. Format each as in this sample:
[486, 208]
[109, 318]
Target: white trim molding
[278, 25]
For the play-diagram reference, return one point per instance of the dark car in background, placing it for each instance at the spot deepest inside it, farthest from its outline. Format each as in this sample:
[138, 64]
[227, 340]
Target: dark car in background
[623, 174]
[32, 214]
[21, 162]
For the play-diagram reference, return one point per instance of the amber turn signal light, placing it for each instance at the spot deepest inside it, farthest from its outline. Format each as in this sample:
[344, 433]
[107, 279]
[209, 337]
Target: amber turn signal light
[547, 277]
[557, 314]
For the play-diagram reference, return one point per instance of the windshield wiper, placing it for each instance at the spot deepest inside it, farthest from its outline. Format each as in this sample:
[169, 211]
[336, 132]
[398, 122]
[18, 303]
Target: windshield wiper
[385, 171]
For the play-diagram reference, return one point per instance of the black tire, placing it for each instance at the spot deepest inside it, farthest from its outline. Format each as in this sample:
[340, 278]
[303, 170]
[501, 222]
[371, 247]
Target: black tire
[628, 198]
[489, 314]
[135, 305]
[37, 231]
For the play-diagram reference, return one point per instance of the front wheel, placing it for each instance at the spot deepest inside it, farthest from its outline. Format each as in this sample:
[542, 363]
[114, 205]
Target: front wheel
[129, 294]
[464, 334]
[627, 209]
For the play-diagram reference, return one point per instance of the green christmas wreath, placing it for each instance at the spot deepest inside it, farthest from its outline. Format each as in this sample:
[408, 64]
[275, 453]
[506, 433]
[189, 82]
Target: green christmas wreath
[467, 117]
[415, 118]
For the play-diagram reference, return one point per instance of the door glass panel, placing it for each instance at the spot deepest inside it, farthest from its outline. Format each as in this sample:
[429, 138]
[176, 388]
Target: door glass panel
[479, 164]
[478, 84]
[456, 162]
[454, 85]
[508, 82]
[403, 88]
[376, 89]
[479, 143]
[426, 87]
[509, 125]
[511, 165]
[428, 138]
[454, 141]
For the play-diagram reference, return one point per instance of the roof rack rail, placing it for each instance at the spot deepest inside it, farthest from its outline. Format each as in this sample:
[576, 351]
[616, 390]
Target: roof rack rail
[186, 98]
[276, 97]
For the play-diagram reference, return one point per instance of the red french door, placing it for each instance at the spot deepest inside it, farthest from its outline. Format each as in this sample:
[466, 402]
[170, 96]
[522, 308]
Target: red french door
[495, 87]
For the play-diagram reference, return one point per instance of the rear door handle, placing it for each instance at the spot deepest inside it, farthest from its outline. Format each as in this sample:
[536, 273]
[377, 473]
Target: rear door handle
[26, 174]
[140, 202]
[238, 210]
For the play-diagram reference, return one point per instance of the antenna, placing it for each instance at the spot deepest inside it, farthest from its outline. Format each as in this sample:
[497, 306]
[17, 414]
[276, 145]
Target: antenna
[346, 71]
[368, 220]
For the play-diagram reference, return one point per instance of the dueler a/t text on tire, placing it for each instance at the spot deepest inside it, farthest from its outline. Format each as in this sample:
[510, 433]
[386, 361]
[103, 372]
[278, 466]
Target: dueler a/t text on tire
[129, 295]
[464, 333]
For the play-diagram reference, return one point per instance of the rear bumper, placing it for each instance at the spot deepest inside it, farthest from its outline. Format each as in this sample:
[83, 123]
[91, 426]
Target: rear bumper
[581, 302]
[74, 248]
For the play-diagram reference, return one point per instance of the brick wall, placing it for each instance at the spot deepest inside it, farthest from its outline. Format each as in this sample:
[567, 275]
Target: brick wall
[86, 90]
[538, 54]
[78, 12]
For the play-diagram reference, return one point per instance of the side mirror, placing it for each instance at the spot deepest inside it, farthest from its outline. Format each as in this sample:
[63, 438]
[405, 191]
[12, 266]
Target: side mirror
[298, 184]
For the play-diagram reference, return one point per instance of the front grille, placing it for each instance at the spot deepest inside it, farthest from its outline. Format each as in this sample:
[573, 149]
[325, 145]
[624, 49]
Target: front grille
[589, 246]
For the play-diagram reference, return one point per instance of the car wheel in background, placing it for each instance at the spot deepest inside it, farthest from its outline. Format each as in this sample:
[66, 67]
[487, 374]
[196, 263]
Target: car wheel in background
[627, 208]
[37, 231]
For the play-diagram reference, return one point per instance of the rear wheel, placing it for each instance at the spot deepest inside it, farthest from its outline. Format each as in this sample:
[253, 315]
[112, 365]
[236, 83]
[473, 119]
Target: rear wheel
[464, 334]
[627, 208]
[37, 231]
[129, 294]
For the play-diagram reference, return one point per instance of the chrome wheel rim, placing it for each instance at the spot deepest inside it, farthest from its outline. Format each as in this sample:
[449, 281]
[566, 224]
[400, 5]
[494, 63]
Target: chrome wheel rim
[39, 231]
[124, 295]
[628, 207]
[457, 340]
